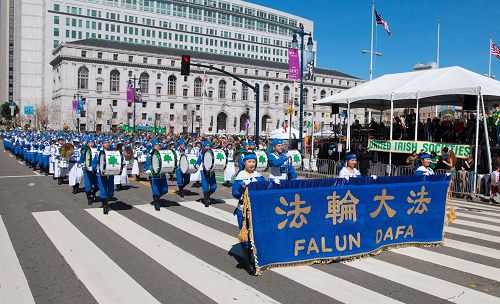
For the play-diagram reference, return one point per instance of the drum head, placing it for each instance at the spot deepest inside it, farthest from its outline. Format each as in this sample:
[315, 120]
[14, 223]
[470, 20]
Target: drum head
[208, 160]
[155, 162]
[183, 164]
[88, 158]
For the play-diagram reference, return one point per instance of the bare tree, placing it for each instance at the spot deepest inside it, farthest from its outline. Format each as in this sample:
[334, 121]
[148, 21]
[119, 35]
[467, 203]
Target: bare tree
[41, 116]
[54, 114]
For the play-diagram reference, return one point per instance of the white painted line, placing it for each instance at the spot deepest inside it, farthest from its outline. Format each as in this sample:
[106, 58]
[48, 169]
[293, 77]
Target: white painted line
[20, 162]
[476, 249]
[481, 270]
[36, 173]
[11, 155]
[14, 287]
[476, 225]
[104, 279]
[231, 201]
[479, 206]
[310, 277]
[478, 217]
[428, 284]
[212, 211]
[482, 212]
[214, 283]
[15, 176]
[472, 234]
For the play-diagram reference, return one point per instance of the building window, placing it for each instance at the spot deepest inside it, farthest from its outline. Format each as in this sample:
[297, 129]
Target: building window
[197, 87]
[158, 76]
[144, 80]
[244, 92]
[99, 55]
[233, 97]
[158, 105]
[83, 78]
[99, 102]
[286, 94]
[115, 103]
[56, 31]
[158, 61]
[144, 116]
[172, 83]
[172, 106]
[56, 7]
[98, 114]
[172, 117]
[115, 56]
[266, 93]
[114, 81]
[322, 94]
[115, 114]
[158, 90]
[222, 89]
[99, 71]
[84, 54]
[184, 118]
[185, 92]
[144, 104]
[306, 91]
[172, 63]
[144, 59]
[130, 58]
[185, 106]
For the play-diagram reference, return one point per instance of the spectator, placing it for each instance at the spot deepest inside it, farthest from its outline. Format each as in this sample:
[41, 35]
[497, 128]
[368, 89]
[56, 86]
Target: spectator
[410, 161]
[434, 160]
[496, 122]
[494, 176]
[428, 129]
[449, 159]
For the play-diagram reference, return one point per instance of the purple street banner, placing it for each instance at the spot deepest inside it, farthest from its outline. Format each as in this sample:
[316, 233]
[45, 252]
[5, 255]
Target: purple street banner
[130, 95]
[75, 104]
[302, 222]
[293, 64]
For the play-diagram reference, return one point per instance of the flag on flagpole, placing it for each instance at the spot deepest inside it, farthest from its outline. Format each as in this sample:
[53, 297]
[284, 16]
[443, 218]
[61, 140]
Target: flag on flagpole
[381, 21]
[495, 50]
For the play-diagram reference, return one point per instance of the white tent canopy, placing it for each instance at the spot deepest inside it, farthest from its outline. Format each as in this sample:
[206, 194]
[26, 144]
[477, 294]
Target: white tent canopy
[281, 133]
[446, 86]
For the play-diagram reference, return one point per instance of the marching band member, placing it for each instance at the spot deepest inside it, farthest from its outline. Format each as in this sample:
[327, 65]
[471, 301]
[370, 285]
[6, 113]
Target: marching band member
[90, 176]
[350, 168]
[424, 169]
[280, 167]
[182, 179]
[247, 146]
[121, 180]
[230, 170]
[52, 157]
[208, 181]
[59, 173]
[196, 150]
[158, 183]
[138, 151]
[46, 155]
[75, 168]
[106, 186]
[241, 181]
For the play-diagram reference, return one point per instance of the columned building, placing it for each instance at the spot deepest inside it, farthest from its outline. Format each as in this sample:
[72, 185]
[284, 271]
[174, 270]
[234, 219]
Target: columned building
[100, 72]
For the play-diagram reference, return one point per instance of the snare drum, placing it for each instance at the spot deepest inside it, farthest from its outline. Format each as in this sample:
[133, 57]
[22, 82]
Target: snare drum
[163, 161]
[262, 160]
[110, 163]
[214, 160]
[89, 154]
[187, 163]
[295, 158]
[63, 162]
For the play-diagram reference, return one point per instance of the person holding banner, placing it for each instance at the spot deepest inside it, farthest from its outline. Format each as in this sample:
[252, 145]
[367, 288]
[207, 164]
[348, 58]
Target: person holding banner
[425, 168]
[280, 167]
[183, 179]
[350, 169]
[241, 181]
[158, 183]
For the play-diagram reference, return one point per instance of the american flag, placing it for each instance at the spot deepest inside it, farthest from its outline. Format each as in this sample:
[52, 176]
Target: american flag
[382, 21]
[495, 50]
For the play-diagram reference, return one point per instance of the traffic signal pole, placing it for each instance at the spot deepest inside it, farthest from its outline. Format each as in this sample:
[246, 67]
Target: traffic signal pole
[255, 88]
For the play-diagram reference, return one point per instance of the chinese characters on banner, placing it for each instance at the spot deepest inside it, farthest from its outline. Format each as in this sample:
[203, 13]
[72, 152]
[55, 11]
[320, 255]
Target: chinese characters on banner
[306, 221]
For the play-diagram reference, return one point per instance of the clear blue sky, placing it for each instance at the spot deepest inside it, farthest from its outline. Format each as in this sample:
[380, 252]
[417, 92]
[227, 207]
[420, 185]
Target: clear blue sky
[342, 29]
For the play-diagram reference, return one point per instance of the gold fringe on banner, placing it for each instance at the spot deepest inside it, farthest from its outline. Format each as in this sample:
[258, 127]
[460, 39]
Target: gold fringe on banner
[243, 235]
[450, 208]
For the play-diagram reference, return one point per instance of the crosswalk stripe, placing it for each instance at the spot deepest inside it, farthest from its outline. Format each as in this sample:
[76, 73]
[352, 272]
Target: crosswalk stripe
[451, 262]
[14, 287]
[212, 282]
[461, 215]
[104, 279]
[476, 225]
[472, 234]
[478, 206]
[491, 215]
[310, 277]
[476, 249]
[437, 287]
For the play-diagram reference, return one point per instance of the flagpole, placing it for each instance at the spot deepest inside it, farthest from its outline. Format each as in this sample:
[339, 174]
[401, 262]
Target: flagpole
[437, 56]
[371, 42]
[489, 55]
[203, 104]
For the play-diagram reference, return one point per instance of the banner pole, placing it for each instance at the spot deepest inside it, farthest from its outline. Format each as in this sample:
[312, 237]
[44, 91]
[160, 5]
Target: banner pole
[486, 132]
[417, 120]
[391, 128]
[477, 142]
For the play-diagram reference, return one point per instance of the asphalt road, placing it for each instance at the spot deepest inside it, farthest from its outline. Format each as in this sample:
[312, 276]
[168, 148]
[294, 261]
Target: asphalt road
[68, 252]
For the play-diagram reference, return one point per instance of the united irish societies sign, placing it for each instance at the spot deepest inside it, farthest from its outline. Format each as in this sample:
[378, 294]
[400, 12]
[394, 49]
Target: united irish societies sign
[408, 146]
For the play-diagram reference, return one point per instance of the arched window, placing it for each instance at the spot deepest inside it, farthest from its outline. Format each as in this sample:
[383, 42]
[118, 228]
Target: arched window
[306, 92]
[264, 123]
[221, 122]
[322, 94]
[266, 93]
[244, 92]
[286, 94]
[222, 89]
[172, 84]
[197, 87]
[114, 81]
[83, 78]
[244, 122]
[144, 79]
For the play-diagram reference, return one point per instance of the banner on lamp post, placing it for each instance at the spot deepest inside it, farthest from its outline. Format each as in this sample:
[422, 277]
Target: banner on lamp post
[309, 65]
[130, 95]
[293, 64]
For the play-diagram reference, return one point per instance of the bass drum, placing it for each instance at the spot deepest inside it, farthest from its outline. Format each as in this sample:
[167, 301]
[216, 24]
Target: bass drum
[295, 158]
[163, 161]
[89, 154]
[110, 163]
[187, 163]
[262, 160]
[214, 160]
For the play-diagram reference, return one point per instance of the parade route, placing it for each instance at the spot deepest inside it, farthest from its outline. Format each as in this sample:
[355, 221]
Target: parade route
[58, 249]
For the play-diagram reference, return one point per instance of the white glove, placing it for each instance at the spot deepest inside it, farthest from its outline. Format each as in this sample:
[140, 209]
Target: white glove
[374, 176]
[148, 171]
[253, 180]
[276, 181]
[448, 174]
[247, 181]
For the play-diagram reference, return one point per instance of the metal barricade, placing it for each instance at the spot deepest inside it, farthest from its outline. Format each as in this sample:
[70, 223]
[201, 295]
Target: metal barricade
[380, 169]
[404, 170]
[319, 168]
[469, 184]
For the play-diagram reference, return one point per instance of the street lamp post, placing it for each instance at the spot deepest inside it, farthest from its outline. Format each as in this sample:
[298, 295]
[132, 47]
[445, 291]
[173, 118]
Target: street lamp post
[134, 87]
[192, 121]
[247, 111]
[310, 44]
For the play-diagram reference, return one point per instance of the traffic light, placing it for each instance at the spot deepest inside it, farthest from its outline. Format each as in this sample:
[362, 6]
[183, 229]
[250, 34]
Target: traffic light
[185, 65]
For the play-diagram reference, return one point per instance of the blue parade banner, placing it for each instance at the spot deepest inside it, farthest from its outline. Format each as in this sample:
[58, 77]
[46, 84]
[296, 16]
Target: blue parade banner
[309, 221]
